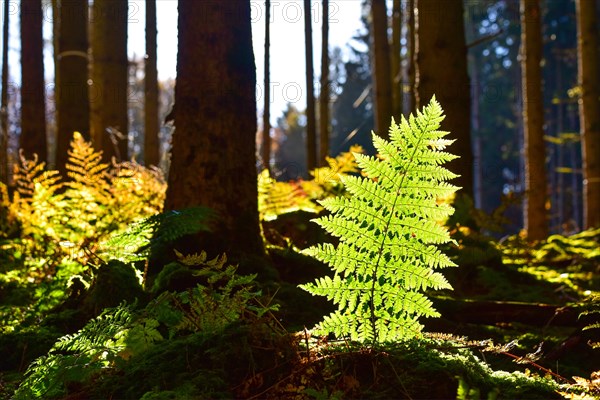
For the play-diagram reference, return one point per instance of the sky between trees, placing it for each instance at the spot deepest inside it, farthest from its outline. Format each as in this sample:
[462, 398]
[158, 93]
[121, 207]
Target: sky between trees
[287, 42]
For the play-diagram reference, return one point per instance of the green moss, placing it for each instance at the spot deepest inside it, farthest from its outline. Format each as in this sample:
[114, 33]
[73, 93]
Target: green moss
[114, 282]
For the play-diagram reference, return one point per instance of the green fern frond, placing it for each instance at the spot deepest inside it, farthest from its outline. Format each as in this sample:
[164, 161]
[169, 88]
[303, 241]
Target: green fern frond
[388, 232]
[153, 234]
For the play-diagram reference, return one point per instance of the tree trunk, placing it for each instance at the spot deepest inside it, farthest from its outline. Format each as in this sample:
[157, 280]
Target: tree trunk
[151, 124]
[441, 70]
[213, 154]
[411, 56]
[108, 94]
[324, 93]
[396, 64]
[33, 99]
[380, 56]
[534, 209]
[311, 129]
[4, 100]
[266, 133]
[589, 109]
[72, 102]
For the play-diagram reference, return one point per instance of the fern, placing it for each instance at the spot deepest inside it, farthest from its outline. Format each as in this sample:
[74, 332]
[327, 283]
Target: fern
[147, 185]
[151, 235]
[277, 198]
[107, 343]
[388, 231]
[80, 356]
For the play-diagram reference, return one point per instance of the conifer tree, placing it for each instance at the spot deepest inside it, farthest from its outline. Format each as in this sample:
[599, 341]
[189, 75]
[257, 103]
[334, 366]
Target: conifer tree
[71, 54]
[151, 124]
[534, 209]
[33, 95]
[213, 156]
[589, 108]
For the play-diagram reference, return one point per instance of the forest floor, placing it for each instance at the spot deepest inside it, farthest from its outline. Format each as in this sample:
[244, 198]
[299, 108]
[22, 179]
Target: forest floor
[521, 322]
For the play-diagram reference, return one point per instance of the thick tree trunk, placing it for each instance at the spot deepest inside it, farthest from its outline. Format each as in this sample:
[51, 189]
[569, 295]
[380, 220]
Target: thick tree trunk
[266, 132]
[324, 93]
[213, 154]
[380, 59]
[534, 209]
[395, 60]
[441, 70]
[311, 129]
[589, 109]
[4, 99]
[108, 94]
[33, 96]
[72, 107]
[151, 124]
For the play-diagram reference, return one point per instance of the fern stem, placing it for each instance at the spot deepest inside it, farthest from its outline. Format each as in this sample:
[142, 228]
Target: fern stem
[384, 237]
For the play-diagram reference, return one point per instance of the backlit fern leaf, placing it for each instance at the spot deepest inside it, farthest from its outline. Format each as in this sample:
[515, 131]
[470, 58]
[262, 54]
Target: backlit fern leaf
[388, 230]
[342, 165]
[85, 167]
[147, 186]
[28, 173]
[276, 198]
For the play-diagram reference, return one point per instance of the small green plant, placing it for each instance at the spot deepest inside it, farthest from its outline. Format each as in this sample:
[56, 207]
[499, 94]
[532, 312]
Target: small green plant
[107, 343]
[277, 198]
[388, 233]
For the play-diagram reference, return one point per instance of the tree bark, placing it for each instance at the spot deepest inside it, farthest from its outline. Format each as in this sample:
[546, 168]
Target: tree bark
[213, 154]
[33, 95]
[412, 59]
[151, 123]
[71, 88]
[395, 60]
[441, 70]
[266, 133]
[324, 92]
[311, 129]
[4, 173]
[589, 109]
[380, 59]
[534, 209]
[108, 94]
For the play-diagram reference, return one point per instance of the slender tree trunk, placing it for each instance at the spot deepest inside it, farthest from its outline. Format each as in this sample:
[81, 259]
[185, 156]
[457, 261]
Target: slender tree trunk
[33, 97]
[560, 126]
[589, 109]
[324, 93]
[311, 129]
[266, 136]
[534, 209]
[477, 150]
[151, 124]
[55, 36]
[108, 94]
[442, 71]
[213, 154]
[71, 88]
[395, 60]
[4, 173]
[380, 56]
[411, 56]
